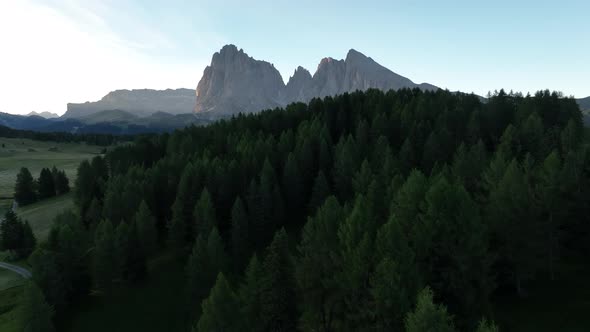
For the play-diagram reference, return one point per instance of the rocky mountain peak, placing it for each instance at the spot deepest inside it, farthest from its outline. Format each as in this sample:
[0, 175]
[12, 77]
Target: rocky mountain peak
[235, 82]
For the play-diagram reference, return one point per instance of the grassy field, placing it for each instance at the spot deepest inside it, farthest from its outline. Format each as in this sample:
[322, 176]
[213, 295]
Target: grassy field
[10, 300]
[40, 215]
[35, 155]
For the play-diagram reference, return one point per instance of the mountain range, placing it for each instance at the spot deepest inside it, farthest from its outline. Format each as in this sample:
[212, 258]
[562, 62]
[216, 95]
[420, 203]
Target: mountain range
[233, 83]
[237, 83]
[142, 102]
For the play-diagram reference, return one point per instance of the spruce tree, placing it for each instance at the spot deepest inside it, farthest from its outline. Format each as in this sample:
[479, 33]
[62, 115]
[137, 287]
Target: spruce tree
[24, 190]
[105, 265]
[45, 184]
[220, 309]
[146, 229]
[204, 214]
[428, 316]
[240, 238]
[250, 295]
[319, 193]
[278, 308]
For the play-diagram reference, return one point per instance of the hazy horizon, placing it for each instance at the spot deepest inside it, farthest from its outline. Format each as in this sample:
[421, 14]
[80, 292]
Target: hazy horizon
[83, 51]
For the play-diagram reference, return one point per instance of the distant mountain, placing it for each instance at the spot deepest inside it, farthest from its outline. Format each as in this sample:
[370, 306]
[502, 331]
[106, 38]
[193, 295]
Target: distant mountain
[46, 115]
[141, 102]
[584, 103]
[105, 122]
[236, 82]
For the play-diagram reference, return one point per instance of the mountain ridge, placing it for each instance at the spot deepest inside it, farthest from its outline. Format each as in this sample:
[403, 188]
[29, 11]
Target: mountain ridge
[235, 82]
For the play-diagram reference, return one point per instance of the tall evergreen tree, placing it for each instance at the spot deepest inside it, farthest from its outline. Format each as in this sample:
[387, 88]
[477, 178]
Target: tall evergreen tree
[316, 267]
[24, 190]
[45, 184]
[250, 295]
[204, 214]
[278, 308]
[146, 229]
[220, 308]
[240, 238]
[105, 265]
[319, 192]
[428, 316]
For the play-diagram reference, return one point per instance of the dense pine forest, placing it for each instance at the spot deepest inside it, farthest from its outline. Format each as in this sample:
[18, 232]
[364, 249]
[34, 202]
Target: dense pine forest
[370, 211]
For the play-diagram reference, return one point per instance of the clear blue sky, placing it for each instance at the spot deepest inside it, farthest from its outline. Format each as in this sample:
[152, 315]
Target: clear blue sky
[80, 50]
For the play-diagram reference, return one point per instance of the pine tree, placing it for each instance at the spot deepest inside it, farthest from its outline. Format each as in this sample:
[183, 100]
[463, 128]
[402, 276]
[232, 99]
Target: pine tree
[316, 266]
[293, 184]
[355, 236]
[11, 232]
[121, 250]
[319, 193]
[94, 213]
[146, 229]
[177, 227]
[250, 295]
[451, 249]
[46, 186]
[240, 238]
[204, 214]
[24, 191]
[408, 200]
[37, 314]
[48, 275]
[220, 308]
[428, 316]
[198, 271]
[105, 262]
[28, 240]
[278, 308]
[551, 204]
[486, 326]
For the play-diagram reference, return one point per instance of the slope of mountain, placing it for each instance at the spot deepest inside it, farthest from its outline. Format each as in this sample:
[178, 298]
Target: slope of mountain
[235, 82]
[46, 115]
[141, 102]
[584, 103]
[109, 116]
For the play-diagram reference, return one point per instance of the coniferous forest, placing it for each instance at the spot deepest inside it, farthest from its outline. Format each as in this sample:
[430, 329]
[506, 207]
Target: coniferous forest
[371, 211]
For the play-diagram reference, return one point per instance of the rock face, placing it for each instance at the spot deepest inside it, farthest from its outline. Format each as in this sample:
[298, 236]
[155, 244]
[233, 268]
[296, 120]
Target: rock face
[235, 82]
[137, 102]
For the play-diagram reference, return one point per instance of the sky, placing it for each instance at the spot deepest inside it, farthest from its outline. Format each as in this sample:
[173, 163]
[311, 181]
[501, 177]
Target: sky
[58, 51]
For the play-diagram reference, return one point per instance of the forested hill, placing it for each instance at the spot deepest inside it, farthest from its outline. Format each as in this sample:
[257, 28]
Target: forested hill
[334, 216]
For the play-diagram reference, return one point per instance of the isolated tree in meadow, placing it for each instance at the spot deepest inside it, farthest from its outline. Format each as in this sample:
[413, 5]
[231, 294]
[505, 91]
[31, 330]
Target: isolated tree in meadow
[45, 184]
[220, 309]
[428, 316]
[37, 314]
[24, 190]
[146, 229]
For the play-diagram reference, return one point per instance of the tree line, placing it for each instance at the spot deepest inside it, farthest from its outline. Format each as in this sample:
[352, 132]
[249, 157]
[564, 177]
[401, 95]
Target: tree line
[51, 182]
[400, 210]
[94, 139]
